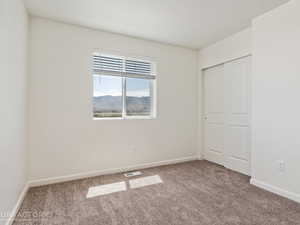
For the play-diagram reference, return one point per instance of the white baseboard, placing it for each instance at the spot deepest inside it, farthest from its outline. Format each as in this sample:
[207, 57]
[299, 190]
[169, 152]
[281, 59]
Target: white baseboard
[17, 206]
[199, 157]
[52, 180]
[290, 195]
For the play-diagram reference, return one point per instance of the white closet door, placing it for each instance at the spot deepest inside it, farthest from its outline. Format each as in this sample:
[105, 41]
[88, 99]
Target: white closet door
[237, 118]
[214, 114]
[226, 102]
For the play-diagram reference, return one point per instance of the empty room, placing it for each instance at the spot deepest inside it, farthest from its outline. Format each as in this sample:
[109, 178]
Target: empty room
[139, 112]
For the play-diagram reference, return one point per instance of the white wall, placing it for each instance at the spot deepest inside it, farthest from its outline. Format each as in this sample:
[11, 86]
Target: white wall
[64, 138]
[233, 47]
[13, 45]
[275, 100]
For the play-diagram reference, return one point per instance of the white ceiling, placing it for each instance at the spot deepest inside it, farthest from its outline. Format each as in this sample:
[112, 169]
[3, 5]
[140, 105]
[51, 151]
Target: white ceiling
[189, 23]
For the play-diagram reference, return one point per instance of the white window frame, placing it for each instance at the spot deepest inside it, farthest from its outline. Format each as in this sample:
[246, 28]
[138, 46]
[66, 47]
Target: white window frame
[153, 90]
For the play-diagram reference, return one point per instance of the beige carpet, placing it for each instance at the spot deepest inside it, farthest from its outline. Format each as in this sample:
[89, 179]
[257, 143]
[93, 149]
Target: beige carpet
[197, 192]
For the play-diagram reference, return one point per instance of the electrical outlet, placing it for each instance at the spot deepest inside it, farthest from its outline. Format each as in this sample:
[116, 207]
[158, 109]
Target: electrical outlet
[281, 166]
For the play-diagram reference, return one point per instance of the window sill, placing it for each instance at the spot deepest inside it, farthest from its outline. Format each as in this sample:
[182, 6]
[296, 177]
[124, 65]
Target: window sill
[127, 118]
[139, 118]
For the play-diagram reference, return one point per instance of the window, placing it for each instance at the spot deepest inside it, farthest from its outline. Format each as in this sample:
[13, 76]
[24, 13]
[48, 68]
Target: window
[123, 87]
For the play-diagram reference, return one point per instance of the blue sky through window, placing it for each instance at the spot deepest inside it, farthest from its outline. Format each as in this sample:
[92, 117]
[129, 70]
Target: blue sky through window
[138, 87]
[112, 85]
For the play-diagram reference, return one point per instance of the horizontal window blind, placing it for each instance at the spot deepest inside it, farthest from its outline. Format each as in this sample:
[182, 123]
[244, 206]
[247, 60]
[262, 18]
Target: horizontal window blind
[104, 63]
[119, 66]
[137, 67]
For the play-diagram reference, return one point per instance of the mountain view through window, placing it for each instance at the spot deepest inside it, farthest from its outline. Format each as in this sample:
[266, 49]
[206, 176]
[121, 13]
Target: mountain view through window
[108, 96]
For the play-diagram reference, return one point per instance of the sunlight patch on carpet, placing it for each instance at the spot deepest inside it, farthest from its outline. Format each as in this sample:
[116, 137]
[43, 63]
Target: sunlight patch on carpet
[106, 189]
[145, 181]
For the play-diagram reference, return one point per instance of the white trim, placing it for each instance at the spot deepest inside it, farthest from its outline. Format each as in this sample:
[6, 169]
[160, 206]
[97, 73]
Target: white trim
[53, 180]
[124, 103]
[276, 190]
[139, 118]
[203, 68]
[126, 118]
[108, 118]
[199, 157]
[15, 210]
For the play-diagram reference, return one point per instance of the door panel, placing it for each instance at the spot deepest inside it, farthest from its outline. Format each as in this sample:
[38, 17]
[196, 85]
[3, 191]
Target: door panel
[215, 137]
[226, 102]
[237, 130]
[214, 114]
[237, 87]
[237, 144]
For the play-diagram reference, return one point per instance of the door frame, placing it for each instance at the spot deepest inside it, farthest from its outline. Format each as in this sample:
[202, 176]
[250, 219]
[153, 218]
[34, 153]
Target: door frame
[202, 107]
